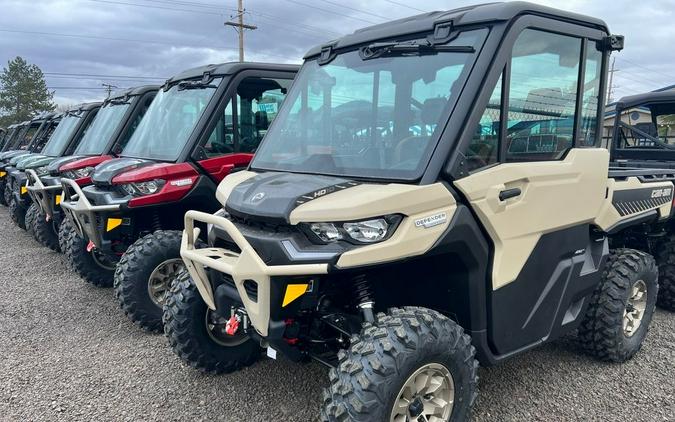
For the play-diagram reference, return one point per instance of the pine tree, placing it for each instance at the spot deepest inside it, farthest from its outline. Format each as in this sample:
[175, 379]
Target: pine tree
[23, 92]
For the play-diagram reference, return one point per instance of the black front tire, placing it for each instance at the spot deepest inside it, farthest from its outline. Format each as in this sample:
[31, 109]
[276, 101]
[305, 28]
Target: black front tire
[666, 262]
[3, 185]
[17, 213]
[44, 231]
[80, 260]
[185, 327]
[133, 275]
[372, 371]
[31, 216]
[602, 332]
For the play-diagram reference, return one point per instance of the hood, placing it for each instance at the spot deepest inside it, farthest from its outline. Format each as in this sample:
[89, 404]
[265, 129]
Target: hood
[34, 162]
[53, 167]
[104, 172]
[9, 154]
[22, 159]
[272, 196]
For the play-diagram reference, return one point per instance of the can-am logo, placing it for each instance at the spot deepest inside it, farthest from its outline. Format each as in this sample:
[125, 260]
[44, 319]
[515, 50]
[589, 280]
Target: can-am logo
[258, 197]
[661, 193]
[432, 220]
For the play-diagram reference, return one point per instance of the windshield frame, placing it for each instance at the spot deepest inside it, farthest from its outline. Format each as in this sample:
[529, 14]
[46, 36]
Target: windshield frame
[435, 137]
[198, 127]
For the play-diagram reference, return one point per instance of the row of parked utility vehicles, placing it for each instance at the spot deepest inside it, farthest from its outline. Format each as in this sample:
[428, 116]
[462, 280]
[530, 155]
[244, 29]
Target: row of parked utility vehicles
[432, 193]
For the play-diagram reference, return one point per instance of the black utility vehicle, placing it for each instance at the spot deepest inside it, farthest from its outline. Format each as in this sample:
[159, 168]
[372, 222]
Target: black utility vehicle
[643, 137]
[204, 124]
[433, 194]
[110, 130]
[30, 139]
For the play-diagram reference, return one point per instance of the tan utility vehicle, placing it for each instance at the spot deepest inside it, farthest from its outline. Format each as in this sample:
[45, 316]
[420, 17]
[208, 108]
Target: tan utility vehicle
[430, 196]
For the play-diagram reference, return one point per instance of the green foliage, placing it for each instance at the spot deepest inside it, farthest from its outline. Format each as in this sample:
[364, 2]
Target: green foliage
[23, 92]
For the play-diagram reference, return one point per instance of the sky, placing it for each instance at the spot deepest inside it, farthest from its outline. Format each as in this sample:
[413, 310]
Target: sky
[82, 44]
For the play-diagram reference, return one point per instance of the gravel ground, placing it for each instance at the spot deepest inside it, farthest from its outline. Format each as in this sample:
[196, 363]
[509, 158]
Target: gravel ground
[70, 354]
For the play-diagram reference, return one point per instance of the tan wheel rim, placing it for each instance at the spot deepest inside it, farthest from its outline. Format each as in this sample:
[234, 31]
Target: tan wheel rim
[160, 279]
[635, 308]
[426, 396]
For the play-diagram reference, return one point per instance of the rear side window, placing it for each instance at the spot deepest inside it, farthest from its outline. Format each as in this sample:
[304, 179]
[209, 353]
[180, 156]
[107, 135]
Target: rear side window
[542, 96]
[245, 119]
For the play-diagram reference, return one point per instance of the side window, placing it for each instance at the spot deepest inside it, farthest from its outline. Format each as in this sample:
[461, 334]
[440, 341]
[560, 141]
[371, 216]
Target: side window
[484, 145]
[542, 96]
[245, 121]
[591, 92]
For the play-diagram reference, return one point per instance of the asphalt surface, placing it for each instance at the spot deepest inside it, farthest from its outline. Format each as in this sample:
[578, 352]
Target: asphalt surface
[67, 353]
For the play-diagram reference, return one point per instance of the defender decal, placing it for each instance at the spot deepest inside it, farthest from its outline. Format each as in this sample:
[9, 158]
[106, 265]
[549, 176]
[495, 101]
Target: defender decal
[432, 220]
[634, 201]
[324, 191]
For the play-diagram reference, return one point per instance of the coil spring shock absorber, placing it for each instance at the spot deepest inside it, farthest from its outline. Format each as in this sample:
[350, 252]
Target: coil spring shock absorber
[156, 223]
[364, 297]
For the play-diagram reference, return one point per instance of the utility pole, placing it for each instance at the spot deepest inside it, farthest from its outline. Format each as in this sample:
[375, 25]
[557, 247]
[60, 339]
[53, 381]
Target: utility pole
[109, 88]
[240, 26]
[610, 88]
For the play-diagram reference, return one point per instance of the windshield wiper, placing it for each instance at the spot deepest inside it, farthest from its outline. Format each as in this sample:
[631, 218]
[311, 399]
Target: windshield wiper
[410, 48]
[119, 102]
[182, 85]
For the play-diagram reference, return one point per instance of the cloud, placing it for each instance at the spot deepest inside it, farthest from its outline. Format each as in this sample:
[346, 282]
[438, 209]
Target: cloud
[179, 34]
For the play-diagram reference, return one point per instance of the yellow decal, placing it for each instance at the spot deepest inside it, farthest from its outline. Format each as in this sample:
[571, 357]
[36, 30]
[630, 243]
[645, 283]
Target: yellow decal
[294, 291]
[112, 223]
[3, 173]
[23, 190]
[58, 199]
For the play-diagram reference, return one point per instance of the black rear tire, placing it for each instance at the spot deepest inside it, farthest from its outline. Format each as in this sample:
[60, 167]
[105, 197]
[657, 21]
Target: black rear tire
[379, 361]
[17, 213]
[7, 193]
[31, 216]
[185, 326]
[133, 273]
[44, 231]
[666, 262]
[602, 332]
[3, 184]
[80, 260]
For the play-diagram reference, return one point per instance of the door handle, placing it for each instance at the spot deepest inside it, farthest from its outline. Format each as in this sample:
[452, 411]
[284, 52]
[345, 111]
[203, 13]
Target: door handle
[509, 193]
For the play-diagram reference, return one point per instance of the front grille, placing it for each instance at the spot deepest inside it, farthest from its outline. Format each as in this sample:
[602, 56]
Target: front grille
[261, 225]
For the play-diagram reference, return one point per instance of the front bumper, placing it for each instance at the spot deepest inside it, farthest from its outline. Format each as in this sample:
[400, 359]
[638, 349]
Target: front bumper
[18, 180]
[89, 220]
[47, 194]
[242, 267]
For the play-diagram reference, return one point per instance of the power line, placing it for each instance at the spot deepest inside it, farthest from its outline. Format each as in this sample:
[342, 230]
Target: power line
[405, 5]
[646, 68]
[330, 11]
[203, 12]
[356, 9]
[59, 74]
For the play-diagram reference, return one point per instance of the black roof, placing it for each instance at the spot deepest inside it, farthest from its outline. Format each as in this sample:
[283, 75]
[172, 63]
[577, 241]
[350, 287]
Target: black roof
[231, 68]
[85, 106]
[476, 14]
[133, 91]
[646, 99]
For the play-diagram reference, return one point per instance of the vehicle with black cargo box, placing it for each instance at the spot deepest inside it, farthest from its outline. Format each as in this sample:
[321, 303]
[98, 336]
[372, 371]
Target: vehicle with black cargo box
[204, 124]
[641, 140]
[107, 135]
[432, 195]
[62, 142]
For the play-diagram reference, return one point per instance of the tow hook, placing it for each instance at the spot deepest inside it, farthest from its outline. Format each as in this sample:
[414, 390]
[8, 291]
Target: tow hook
[90, 246]
[238, 319]
[232, 325]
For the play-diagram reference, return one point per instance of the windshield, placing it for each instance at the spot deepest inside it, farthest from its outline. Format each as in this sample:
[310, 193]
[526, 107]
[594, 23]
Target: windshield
[59, 139]
[170, 120]
[100, 131]
[375, 117]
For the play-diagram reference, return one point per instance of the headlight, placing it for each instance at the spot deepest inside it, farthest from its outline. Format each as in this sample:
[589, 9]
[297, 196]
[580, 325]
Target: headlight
[79, 173]
[366, 231]
[143, 188]
[41, 171]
